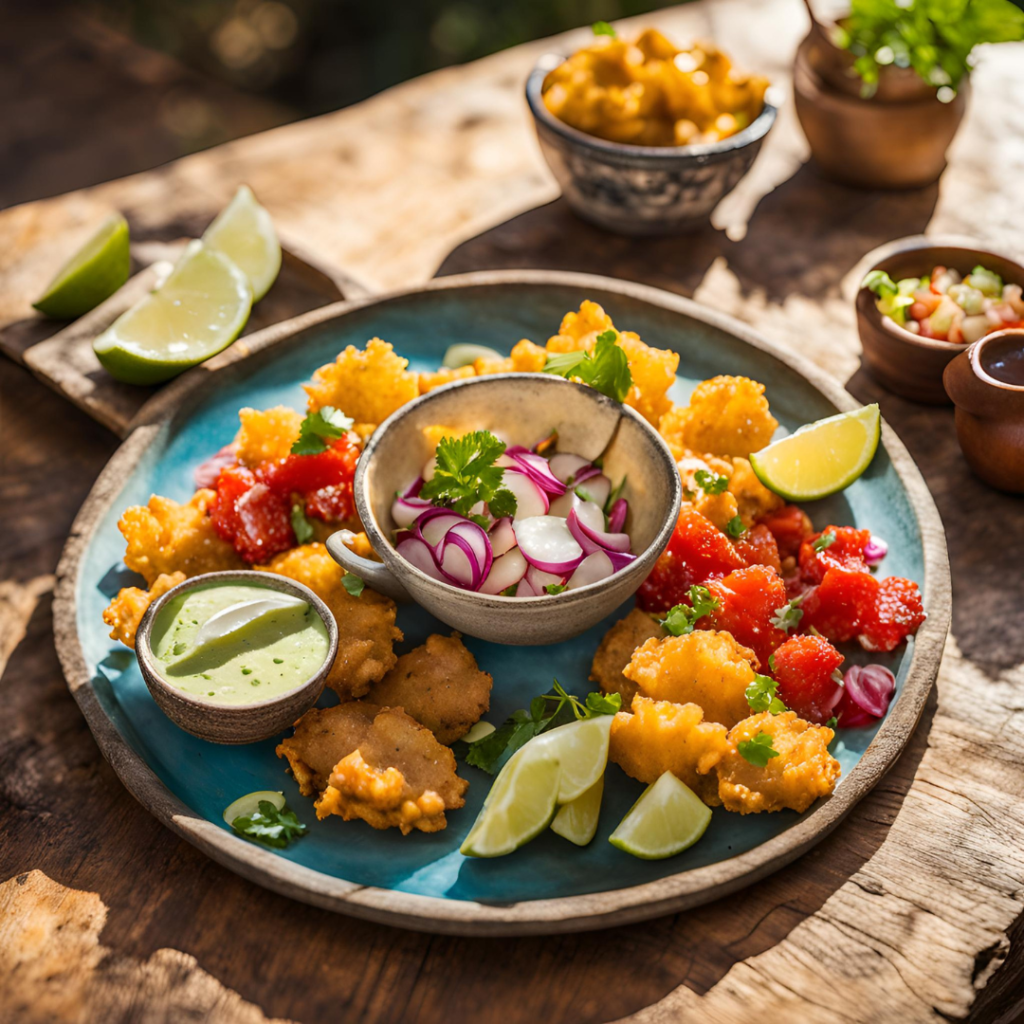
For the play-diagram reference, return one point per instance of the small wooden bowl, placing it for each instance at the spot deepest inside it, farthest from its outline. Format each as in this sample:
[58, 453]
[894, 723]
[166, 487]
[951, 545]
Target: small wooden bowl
[906, 363]
[234, 723]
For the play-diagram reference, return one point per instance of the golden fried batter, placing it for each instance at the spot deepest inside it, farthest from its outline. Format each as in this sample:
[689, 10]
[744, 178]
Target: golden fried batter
[439, 684]
[803, 771]
[165, 537]
[663, 737]
[726, 416]
[373, 763]
[266, 435]
[366, 624]
[706, 668]
[616, 649]
[753, 499]
[427, 380]
[125, 612]
[368, 386]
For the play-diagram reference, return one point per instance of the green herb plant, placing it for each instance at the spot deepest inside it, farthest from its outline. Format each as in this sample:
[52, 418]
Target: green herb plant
[319, 429]
[466, 474]
[270, 826]
[758, 751]
[606, 369]
[683, 617]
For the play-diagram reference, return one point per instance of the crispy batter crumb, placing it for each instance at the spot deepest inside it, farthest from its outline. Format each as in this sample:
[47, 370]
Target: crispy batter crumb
[616, 650]
[125, 612]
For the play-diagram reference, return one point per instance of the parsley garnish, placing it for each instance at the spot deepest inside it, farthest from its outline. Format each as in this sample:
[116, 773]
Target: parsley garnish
[320, 427]
[682, 618]
[760, 695]
[758, 751]
[614, 495]
[301, 525]
[826, 540]
[510, 591]
[270, 826]
[556, 588]
[788, 616]
[710, 483]
[735, 528]
[352, 583]
[602, 28]
[771, 662]
[466, 474]
[832, 722]
[606, 369]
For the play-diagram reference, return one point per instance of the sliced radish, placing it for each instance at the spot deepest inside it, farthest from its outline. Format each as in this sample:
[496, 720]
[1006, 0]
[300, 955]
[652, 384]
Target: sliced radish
[428, 469]
[413, 490]
[870, 687]
[538, 579]
[530, 499]
[594, 568]
[527, 589]
[416, 551]
[591, 540]
[617, 515]
[405, 511]
[562, 506]
[478, 540]
[458, 561]
[510, 568]
[502, 536]
[585, 474]
[565, 465]
[538, 469]
[590, 515]
[432, 525]
[875, 550]
[546, 542]
[504, 460]
[595, 489]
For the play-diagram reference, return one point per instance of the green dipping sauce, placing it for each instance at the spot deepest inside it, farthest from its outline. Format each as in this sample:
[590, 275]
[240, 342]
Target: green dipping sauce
[236, 643]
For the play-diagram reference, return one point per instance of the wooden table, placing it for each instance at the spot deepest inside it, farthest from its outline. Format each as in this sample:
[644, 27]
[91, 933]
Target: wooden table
[910, 911]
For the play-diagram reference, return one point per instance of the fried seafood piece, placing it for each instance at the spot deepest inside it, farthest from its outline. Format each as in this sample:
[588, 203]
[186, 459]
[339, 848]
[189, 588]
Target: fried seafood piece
[367, 385]
[706, 668]
[803, 771]
[428, 380]
[727, 416]
[366, 624]
[753, 499]
[440, 685]
[377, 764]
[616, 650]
[125, 612]
[659, 736]
[165, 537]
[266, 435]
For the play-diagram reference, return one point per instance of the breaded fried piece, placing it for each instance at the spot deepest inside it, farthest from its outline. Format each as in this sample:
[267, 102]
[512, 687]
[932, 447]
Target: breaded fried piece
[428, 380]
[663, 737]
[753, 499]
[616, 649]
[366, 385]
[366, 624]
[266, 435]
[726, 416]
[165, 537]
[719, 508]
[803, 771]
[373, 763]
[706, 668]
[439, 684]
[125, 612]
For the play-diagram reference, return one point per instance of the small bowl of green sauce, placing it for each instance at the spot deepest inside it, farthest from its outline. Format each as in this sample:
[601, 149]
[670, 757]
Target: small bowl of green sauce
[236, 657]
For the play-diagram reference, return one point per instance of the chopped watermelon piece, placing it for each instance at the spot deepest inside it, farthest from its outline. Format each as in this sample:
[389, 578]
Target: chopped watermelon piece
[805, 668]
[254, 517]
[758, 547]
[840, 547]
[790, 526]
[747, 601]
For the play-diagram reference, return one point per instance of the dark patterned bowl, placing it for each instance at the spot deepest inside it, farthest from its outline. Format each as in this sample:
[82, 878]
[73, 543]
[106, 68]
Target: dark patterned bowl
[641, 190]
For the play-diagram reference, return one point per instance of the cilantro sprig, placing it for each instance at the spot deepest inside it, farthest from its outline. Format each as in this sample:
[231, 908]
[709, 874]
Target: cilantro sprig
[352, 583]
[735, 528]
[710, 483]
[466, 474]
[270, 826]
[606, 369]
[758, 751]
[789, 615]
[602, 28]
[682, 617]
[319, 428]
[556, 588]
[825, 541]
[300, 524]
[761, 695]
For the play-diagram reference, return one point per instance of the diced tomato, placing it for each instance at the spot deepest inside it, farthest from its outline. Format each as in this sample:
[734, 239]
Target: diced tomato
[897, 613]
[845, 552]
[747, 601]
[304, 474]
[789, 525]
[254, 517]
[697, 551]
[758, 547]
[804, 670]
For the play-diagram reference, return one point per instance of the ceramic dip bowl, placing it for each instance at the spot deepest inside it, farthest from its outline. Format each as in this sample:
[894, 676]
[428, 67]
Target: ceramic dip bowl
[641, 190]
[521, 408]
[234, 723]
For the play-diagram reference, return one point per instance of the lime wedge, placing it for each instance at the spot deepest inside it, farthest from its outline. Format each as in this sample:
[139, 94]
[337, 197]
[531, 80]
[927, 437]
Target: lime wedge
[199, 310]
[577, 821]
[581, 748]
[93, 274]
[250, 804]
[244, 232]
[463, 353]
[518, 807]
[821, 458]
[666, 819]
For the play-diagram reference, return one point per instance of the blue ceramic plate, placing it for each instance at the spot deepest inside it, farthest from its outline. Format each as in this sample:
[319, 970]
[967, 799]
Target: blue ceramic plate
[420, 880]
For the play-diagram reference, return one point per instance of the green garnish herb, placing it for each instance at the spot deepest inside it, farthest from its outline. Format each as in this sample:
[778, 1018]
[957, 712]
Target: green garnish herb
[771, 662]
[246, 671]
[832, 722]
[758, 751]
[761, 695]
[510, 591]
[616, 493]
[606, 369]
[788, 617]
[582, 494]
[826, 540]
[682, 618]
[710, 483]
[318, 429]
[466, 474]
[555, 588]
[602, 28]
[279, 661]
[270, 826]
[735, 528]
[352, 583]
[300, 524]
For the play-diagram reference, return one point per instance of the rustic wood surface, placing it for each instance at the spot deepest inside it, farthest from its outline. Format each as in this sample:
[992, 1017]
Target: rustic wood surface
[910, 911]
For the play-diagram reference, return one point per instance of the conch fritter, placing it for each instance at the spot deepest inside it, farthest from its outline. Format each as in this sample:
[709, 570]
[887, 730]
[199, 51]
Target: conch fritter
[440, 685]
[266, 435]
[803, 770]
[706, 668]
[366, 624]
[616, 650]
[125, 612]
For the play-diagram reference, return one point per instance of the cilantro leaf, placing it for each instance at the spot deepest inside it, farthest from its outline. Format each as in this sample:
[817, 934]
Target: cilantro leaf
[270, 826]
[758, 751]
[788, 616]
[761, 695]
[320, 427]
[556, 588]
[604, 703]
[602, 28]
[825, 541]
[710, 483]
[832, 722]
[735, 528]
[510, 591]
[300, 524]
[352, 583]
[466, 474]
[682, 618]
[615, 494]
[606, 369]
[771, 662]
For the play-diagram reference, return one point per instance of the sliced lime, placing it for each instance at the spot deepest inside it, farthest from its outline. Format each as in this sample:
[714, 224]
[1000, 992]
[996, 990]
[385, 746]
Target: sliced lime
[666, 819]
[93, 274]
[577, 821]
[462, 354]
[478, 732]
[244, 232]
[582, 750]
[518, 807]
[199, 310]
[821, 458]
[250, 804]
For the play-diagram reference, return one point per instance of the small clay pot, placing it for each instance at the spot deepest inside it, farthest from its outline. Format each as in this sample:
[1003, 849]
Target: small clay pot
[986, 383]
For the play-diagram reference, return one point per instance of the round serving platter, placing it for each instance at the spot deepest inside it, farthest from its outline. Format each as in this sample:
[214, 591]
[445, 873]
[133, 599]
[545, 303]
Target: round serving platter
[422, 881]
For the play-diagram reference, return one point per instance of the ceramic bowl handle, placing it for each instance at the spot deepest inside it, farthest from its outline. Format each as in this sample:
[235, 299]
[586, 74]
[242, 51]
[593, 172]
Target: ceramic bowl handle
[376, 575]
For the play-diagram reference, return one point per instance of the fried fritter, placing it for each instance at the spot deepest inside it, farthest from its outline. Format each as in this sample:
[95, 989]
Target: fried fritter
[753, 499]
[165, 537]
[125, 612]
[373, 763]
[366, 385]
[428, 380]
[726, 416]
[440, 685]
[705, 668]
[803, 771]
[366, 624]
[660, 736]
[266, 435]
[616, 650]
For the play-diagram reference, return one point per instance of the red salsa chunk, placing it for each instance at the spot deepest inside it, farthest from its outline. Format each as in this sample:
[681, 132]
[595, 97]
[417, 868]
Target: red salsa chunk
[805, 668]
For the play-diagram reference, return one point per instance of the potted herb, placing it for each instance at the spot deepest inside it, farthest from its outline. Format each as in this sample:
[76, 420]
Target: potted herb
[881, 91]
